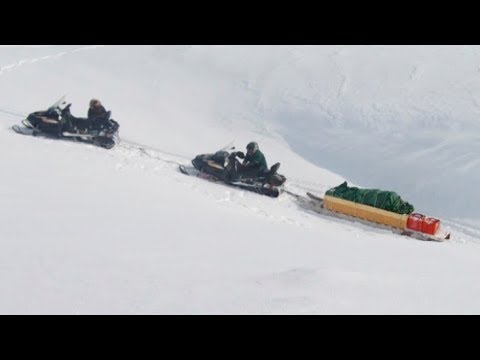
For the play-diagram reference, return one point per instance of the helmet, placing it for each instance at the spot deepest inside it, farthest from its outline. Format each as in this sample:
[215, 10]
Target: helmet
[252, 146]
[94, 102]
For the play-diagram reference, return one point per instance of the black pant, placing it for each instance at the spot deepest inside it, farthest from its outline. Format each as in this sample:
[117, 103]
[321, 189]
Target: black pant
[236, 171]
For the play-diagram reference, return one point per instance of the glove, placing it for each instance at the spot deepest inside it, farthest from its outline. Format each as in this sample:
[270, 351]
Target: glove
[241, 155]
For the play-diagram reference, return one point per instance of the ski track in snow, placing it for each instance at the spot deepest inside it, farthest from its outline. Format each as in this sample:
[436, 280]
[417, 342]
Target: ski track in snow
[28, 61]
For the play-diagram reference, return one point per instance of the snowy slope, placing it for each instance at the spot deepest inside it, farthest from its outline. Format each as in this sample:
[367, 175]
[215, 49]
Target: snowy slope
[85, 230]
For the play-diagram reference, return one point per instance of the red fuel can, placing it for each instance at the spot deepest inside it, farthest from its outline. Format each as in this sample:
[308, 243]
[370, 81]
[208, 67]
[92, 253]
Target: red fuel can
[415, 222]
[430, 225]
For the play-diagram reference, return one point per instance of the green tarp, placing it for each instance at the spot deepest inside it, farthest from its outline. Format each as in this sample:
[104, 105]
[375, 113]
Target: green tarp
[385, 200]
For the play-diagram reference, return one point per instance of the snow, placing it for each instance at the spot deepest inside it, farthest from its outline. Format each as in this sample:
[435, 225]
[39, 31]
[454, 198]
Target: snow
[85, 230]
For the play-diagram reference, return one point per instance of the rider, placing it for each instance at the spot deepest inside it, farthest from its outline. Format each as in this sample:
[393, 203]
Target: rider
[97, 114]
[254, 163]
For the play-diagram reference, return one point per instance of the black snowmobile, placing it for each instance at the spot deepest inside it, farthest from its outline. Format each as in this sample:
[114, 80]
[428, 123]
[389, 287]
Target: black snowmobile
[222, 166]
[58, 122]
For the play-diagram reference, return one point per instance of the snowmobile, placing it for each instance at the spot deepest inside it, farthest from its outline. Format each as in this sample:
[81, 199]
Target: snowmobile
[223, 166]
[58, 122]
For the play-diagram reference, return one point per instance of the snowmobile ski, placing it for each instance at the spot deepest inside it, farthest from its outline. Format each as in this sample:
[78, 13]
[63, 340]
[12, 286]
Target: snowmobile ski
[25, 130]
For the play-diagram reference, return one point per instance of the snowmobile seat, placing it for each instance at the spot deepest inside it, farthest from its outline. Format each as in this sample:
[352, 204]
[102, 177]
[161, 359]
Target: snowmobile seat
[274, 169]
[272, 177]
